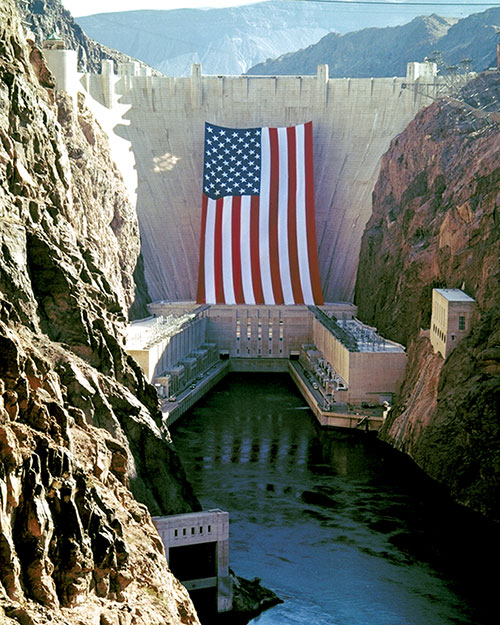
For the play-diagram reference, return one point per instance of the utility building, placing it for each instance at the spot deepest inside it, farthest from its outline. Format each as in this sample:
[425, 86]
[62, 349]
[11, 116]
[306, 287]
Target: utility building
[421, 71]
[62, 63]
[452, 314]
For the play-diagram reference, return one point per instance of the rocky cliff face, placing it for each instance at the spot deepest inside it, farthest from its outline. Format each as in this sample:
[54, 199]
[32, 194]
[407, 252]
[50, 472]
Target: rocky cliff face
[436, 223]
[80, 430]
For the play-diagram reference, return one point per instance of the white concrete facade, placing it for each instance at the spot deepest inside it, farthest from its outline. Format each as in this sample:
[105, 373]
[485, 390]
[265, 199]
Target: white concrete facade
[372, 372]
[354, 121]
[157, 350]
[63, 64]
[421, 71]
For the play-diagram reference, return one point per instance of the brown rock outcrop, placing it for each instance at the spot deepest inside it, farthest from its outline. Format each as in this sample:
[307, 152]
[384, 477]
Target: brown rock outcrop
[436, 223]
[80, 429]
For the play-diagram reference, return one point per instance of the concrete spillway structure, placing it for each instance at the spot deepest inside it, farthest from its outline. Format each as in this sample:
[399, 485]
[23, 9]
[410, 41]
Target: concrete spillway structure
[354, 121]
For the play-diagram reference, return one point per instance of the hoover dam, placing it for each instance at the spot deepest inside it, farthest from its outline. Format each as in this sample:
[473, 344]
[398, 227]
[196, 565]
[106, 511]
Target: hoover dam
[156, 129]
[162, 119]
[93, 474]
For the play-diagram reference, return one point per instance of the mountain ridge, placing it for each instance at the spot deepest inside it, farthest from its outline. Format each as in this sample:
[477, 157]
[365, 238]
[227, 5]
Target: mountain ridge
[231, 40]
[352, 54]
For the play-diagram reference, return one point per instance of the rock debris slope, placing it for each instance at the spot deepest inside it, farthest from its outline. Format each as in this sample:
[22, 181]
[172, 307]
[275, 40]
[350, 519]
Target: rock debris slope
[436, 223]
[80, 430]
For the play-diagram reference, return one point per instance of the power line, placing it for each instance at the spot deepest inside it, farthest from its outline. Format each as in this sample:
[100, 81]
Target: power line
[401, 5]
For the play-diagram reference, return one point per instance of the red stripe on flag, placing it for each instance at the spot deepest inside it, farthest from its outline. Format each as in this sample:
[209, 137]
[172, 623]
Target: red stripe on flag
[236, 250]
[310, 218]
[254, 250]
[201, 297]
[273, 217]
[219, 284]
[298, 297]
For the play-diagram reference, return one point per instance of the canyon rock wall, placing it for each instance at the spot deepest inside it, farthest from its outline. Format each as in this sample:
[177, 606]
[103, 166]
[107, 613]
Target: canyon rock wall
[80, 430]
[436, 223]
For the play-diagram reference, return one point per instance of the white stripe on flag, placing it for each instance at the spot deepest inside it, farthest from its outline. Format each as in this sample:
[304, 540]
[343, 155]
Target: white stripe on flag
[305, 274]
[227, 251]
[210, 252]
[246, 259]
[284, 259]
[265, 183]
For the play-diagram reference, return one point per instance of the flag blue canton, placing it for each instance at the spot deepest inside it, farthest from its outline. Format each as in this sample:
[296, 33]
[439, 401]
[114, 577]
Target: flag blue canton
[232, 161]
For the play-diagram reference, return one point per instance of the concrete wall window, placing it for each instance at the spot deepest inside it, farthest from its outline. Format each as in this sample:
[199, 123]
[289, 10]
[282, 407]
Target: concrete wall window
[461, 323]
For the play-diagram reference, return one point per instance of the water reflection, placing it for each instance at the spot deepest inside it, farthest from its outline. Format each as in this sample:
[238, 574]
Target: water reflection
[343, 530]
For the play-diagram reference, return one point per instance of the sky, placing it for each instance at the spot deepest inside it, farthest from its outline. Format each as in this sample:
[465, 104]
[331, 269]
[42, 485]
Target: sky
[78, 8]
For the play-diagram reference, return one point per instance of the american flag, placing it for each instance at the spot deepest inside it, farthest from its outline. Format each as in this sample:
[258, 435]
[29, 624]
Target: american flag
[258, 239]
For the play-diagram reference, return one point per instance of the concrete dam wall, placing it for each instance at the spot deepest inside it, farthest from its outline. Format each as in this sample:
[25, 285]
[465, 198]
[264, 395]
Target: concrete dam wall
[354, 121]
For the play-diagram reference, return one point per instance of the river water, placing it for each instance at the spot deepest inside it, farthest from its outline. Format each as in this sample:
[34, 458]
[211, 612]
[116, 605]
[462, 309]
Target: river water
[345, 530]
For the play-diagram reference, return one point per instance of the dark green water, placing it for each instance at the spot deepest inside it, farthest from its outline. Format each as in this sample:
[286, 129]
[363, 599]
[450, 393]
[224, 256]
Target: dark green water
[343, 529]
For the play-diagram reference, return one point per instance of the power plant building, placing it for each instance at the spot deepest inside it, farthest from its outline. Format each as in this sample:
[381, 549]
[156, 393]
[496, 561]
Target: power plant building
[343, 360]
